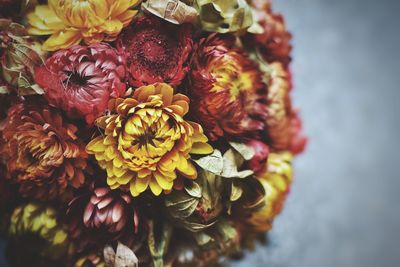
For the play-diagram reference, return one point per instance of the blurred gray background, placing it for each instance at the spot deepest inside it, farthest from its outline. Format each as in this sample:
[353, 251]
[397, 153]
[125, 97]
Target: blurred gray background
[344, 207]
[343, 210]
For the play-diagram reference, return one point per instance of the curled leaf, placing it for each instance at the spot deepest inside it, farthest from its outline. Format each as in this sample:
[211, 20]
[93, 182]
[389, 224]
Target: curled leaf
[174, 11]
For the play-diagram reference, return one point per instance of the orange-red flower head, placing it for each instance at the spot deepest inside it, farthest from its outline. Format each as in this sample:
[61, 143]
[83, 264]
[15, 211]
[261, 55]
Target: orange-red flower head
[44, 155]
[227, 88]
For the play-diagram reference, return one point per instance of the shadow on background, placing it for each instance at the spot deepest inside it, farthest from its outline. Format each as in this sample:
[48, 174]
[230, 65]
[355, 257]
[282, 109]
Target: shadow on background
[343, 209]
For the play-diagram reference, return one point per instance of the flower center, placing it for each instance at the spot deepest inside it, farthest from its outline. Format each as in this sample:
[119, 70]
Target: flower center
[76, 79]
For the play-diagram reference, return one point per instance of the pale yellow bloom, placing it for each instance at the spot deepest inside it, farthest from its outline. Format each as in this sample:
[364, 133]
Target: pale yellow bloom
[276, 182]
[147, 142]
[71, 21]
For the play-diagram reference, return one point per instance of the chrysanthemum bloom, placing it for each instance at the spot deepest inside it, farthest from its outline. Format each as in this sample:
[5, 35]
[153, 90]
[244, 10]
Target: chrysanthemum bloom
[228, 89]
[71, 21]
[157, 51]
[276, 182]
[283, 124]
[147, 142]
[274, 43]
[81, 80]
[43, 153]
[102, 215]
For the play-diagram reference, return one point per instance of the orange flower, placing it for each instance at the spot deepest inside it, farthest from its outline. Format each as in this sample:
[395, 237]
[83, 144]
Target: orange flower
[43, 153]
[147, 142]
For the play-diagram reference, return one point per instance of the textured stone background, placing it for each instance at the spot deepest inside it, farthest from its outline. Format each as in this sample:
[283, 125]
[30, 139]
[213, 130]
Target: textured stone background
[343, 210]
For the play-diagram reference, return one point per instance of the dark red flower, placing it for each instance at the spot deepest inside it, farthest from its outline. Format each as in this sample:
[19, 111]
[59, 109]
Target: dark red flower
[81, 80]
[157, 51]
[102, 215]
[228, 92]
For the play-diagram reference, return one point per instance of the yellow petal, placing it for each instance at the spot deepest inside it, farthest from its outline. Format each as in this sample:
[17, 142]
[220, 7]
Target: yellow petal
[96, 145]
[155, 188]
[62, 39]
[163, 182]
[201, 149]
[187, 168]
[142, 184]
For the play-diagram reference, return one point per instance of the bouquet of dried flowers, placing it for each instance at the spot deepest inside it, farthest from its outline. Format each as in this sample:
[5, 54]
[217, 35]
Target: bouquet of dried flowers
[142, 133]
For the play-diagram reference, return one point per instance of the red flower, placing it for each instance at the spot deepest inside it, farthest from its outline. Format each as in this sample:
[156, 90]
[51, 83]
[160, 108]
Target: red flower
[228, 91]
[274, 44]
[102, 215]
[157, 51]
[81, 80]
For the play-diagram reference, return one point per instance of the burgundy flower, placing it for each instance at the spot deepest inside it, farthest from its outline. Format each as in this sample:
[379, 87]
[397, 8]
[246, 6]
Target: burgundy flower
[157, 51]
[102, 215]
[81, 80]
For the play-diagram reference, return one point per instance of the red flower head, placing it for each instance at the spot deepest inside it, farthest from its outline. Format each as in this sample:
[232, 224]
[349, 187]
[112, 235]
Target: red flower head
[102, 215]
[228, 88]
[43, 153]
[81, 80]
[157, 51]
[274, 43]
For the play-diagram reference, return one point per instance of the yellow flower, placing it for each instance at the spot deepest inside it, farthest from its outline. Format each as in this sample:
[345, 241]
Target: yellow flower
[71, 21]
[146, 141]
[276, 182]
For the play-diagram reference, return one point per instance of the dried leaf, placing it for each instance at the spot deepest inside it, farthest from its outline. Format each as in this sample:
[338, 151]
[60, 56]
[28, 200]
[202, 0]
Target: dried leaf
[236, 192]
[193, 189]
[125, 257]
[212, 163]
[181, 205]
[174, 11]
[227, 231]
[230, 166]
[245, 150]
[109, 256]
[202, 239]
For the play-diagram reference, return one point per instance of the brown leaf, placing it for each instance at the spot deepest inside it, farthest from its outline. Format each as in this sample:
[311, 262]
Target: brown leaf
[174, 11]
